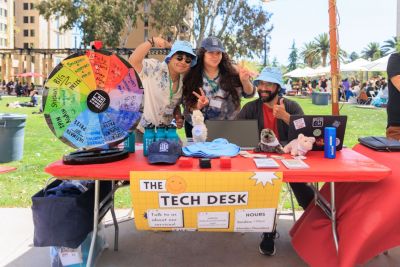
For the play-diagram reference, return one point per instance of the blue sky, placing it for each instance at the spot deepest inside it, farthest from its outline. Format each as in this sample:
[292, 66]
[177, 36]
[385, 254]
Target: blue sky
[361, 22]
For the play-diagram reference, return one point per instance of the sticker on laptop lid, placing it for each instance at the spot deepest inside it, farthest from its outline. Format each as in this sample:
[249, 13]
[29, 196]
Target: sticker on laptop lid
[318, 122]
[299, 123]
[317, 132]
[336, 124]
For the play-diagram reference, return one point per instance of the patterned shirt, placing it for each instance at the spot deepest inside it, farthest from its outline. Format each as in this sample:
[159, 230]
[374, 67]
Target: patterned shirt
[159, 101]
[221, 106]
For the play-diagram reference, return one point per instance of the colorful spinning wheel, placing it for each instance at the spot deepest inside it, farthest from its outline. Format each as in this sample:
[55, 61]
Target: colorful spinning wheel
[92, 99]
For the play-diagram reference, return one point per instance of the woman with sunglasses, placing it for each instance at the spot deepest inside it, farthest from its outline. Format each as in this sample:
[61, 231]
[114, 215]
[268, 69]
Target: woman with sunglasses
[162, 81]
[214, 86]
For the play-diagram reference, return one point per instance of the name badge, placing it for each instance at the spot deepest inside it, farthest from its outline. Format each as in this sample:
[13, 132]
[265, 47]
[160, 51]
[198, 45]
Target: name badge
[215, 103]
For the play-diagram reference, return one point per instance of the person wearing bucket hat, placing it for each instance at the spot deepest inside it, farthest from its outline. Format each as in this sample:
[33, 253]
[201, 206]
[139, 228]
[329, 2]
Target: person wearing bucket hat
[162, 81]
[214, 86]
[273, 111]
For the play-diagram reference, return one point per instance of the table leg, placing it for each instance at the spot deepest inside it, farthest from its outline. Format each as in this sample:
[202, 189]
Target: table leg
[329, 209]
[333, 218]
[116, 227]
[95, 222]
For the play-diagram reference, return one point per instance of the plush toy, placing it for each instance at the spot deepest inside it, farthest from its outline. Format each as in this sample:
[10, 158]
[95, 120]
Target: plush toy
[300, 146]
[268, 142]
[199, 131]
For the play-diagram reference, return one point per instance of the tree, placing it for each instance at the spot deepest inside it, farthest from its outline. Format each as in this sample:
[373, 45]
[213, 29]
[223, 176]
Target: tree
[322, 47]
[310, 55]
[242, 28]
[372, 51]
[98, 20]
[169, 17]
[391, 45]
[353, 56]
[293, 58]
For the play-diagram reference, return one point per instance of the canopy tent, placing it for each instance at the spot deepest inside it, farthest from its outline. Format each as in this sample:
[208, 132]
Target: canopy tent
[356, 65]
[320, 70]
[300, 72]
[378, 65]
[29, 74]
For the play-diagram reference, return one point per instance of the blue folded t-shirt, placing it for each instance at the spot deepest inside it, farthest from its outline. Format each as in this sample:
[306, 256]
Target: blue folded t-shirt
[219, 147]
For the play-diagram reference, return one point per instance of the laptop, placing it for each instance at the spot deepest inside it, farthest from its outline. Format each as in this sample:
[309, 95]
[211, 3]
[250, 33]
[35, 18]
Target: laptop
[313, 125]
[243, 133]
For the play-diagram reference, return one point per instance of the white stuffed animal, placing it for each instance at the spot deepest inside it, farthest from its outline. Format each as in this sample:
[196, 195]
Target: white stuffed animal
[199, 131]
[299, 146]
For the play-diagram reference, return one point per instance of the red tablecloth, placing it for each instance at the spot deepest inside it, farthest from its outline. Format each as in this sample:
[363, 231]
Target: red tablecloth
[347, 166]
[368, 219]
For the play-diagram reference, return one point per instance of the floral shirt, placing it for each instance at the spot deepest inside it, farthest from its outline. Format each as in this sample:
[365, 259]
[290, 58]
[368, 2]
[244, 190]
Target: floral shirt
[159, 101]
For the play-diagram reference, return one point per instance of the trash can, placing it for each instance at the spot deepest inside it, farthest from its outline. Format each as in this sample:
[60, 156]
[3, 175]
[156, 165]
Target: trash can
[320, 98]
[11, 136]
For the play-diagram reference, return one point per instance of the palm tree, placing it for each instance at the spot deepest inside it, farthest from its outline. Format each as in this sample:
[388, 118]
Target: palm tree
[372, 51]
[391, 45]
[310, 55]
[322, 47]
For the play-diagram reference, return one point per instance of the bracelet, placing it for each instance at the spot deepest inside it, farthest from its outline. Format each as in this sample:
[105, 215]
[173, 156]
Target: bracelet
[151, 41]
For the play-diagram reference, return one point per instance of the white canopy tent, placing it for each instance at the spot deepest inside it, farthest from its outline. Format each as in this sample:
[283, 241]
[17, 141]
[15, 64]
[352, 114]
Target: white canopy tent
[378, 65]
[300, 72]
[356, 65]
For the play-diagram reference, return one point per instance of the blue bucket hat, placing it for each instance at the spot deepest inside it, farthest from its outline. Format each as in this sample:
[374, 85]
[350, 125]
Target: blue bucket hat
[270, 74]
[212, 44]
[182, 46]
[164, 151]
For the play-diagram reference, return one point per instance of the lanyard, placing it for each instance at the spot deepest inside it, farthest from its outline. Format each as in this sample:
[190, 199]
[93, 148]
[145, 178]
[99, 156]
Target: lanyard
[171, 92]
[213, 83]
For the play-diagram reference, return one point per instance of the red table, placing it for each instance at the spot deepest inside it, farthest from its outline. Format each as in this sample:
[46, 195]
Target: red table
[349, 166]
[367, 216]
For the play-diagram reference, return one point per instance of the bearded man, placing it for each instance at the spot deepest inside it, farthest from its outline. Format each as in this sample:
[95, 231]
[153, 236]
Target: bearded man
[273, 112]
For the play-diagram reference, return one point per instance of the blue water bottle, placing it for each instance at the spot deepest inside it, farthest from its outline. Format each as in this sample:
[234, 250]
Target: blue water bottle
[161, 132]
[171, 134]
[129, 143]
[148, 138]
[330, 142]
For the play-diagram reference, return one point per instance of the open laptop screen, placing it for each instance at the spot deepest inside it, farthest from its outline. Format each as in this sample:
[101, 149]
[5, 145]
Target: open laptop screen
[313, 125]
[243, 133]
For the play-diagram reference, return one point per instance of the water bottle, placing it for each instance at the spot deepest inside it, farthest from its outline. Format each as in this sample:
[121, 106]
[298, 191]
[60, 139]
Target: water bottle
[330, 142]
[161, 132]
[148, 138]
[171, 134]
[129, 143]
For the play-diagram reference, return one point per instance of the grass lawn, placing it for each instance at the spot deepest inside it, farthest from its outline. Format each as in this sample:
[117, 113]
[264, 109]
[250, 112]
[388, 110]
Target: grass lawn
[42, 147]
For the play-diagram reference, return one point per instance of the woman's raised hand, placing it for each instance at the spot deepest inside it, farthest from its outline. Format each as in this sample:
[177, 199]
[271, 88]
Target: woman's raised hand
[202, 100]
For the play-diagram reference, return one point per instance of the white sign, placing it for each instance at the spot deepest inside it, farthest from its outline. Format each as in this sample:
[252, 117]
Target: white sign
[254, 220]
[213, 220]
[167, 200]
[70, 256]
[152, 185]
[165, 218]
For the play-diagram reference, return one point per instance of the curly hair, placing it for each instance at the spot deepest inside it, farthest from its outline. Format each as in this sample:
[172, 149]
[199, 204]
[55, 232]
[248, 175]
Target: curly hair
[229, 80]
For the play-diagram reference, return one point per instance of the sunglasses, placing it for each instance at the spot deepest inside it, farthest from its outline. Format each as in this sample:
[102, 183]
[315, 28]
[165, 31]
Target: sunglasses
[181, 57]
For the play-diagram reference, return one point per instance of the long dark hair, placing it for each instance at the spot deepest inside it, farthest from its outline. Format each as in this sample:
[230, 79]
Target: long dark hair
[229, 80]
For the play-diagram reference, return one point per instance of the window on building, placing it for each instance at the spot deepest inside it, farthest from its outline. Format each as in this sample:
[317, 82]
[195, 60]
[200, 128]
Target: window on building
[32, 19]
[32, 33]
[26, 19]
[31, 45]
[32, 6]
[26, 6]
[26, 33]
[5, 13]
[26, 45]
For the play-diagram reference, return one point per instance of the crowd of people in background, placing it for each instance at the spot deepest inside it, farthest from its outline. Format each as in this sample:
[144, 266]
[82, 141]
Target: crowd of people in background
[374, 91]
[17, 88]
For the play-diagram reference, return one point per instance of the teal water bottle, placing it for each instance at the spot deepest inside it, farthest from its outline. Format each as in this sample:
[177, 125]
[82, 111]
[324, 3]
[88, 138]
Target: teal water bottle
[161, 132]
[171, 134]
[148, 138]
[129, 143]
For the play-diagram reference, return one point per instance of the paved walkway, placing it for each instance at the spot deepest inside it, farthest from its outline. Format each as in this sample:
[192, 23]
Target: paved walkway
[138, 248]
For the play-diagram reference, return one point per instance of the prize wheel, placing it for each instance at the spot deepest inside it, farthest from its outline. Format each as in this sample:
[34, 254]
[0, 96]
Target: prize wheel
[92, 100]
